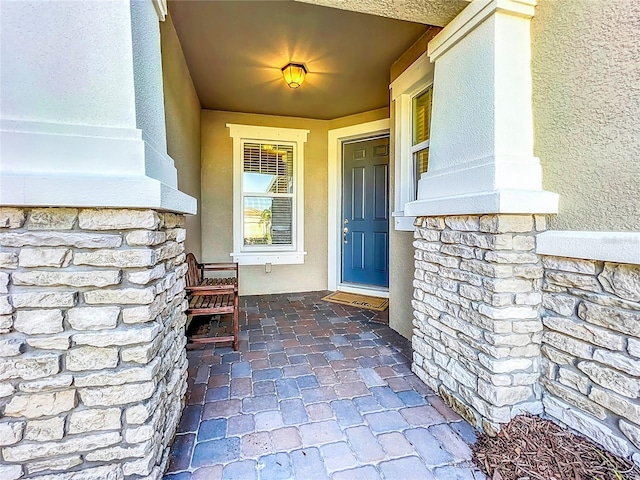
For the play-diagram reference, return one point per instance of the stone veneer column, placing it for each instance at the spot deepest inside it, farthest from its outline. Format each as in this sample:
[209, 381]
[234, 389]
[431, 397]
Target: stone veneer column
[92, 358]
[477, 328]
[478, 278]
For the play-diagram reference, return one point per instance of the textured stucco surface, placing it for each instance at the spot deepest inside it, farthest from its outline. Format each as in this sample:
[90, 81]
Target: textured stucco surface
[91, 83]
[217, 203]
[147, 73]
[462, 108]
[430, 12]
[401, 269]
[586, 99]
[401, 263]
[401, 258]
[358, 118]
[182, 111]
[217, 199]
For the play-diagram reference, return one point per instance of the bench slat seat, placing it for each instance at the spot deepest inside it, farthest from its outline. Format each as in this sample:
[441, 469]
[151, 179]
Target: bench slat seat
[213, 297]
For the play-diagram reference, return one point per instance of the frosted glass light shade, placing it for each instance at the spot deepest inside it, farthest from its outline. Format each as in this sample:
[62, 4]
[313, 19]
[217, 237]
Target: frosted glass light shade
[294, 74]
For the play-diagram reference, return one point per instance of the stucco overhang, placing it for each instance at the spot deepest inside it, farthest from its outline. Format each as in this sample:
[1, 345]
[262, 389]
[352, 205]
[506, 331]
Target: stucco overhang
[429, 12]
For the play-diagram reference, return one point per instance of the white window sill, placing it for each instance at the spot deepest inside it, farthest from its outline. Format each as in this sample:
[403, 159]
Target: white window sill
[403, 223]
[274, 258]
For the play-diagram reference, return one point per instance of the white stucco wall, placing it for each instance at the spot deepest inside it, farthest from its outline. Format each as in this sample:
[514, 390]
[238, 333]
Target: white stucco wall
[460, 105]
[71, 104]
[482, 126]
[182, 109]
[39, 84]
[586, 98]
[147, 71]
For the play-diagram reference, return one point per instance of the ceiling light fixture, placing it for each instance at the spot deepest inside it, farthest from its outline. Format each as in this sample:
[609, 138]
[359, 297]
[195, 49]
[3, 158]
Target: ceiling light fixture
[294, 74]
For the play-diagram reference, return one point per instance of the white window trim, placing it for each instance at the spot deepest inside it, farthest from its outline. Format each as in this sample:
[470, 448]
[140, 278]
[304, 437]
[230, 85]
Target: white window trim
[161, 9]
[419, 146]
[413, 81]
[276, 255]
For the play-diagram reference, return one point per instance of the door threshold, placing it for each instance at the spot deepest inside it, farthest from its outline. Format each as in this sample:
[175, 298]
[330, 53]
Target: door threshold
[381, 292]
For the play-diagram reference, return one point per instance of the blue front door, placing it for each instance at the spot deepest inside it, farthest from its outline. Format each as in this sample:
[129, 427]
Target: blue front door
[365, 207]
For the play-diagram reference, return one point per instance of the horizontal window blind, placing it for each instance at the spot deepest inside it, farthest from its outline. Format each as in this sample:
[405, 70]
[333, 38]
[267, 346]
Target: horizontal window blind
[421, 131]
[422, 116]
[422, 162]
[421, 165]
[268, 193]
[273, 160]
[268, 221]
[281, 221]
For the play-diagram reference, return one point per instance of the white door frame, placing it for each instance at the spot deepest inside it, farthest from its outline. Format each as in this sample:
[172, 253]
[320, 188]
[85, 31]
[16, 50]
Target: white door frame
[336, 138]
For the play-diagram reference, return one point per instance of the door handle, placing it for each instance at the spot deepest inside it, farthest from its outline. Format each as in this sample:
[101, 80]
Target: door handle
[345, 230]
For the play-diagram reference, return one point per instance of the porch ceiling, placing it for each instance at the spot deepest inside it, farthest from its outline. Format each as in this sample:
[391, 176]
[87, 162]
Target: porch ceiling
[235, 51]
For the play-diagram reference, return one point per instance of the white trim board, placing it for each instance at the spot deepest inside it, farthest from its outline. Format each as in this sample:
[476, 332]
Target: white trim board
[48, 149]
[495, 201]
[72, 165]
[161, 9]
[336, 138]
[380, 292]
[620, 247]
[417, 77]
[472, 16]
[93, 192]
[413, 81]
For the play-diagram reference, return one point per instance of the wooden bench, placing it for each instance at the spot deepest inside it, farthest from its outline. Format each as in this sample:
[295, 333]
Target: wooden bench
[214, 297]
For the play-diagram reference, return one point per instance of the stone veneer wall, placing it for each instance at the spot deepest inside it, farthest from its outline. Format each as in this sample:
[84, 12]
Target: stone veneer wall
[500, 330]
[92, 358]
[591, 350]
[477, 328]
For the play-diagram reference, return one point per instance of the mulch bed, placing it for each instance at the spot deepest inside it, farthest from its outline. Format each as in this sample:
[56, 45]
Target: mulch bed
[530, 448]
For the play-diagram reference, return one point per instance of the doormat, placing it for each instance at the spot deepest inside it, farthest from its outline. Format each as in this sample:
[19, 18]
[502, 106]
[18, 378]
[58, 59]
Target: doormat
[363, 301]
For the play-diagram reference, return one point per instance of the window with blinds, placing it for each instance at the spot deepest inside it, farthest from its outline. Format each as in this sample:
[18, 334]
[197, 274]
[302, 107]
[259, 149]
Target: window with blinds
[421, 127]
[422, 116]
[267, 192]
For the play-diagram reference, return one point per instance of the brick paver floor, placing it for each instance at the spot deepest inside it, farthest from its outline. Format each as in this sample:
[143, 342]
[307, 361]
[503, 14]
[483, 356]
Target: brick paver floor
[316, 391]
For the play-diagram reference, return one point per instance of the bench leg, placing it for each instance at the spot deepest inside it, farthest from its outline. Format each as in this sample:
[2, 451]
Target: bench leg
[236, 327]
